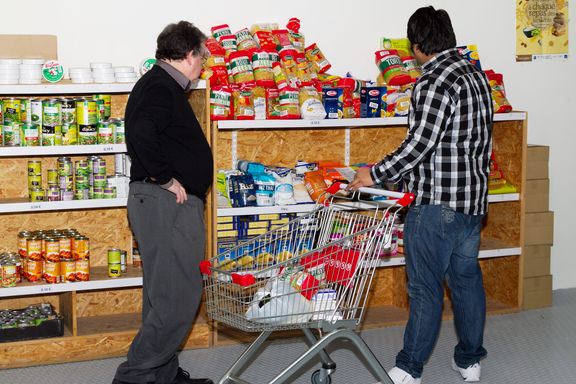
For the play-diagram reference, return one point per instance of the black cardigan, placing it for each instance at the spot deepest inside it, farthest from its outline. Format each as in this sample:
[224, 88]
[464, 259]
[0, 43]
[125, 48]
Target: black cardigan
[163, 136]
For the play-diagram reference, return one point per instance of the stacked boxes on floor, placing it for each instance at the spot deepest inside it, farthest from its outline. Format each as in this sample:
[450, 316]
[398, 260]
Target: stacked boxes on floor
[539, 230]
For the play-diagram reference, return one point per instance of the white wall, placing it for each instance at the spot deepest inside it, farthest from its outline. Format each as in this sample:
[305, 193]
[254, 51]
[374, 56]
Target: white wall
[124, 32]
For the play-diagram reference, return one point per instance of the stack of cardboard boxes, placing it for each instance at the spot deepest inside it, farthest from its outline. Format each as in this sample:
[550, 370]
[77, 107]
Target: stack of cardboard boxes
[539, 230]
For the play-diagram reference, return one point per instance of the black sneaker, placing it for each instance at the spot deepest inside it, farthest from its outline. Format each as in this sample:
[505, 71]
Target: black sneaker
[183, 377]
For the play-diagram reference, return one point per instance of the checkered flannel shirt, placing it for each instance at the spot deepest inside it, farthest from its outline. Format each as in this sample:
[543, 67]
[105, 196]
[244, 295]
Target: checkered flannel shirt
[445, 157]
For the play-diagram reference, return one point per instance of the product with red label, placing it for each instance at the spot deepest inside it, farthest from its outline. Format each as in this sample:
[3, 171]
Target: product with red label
[499, 100]
[273, 103]
[243, 104]
[315, 55]
[244, 40]
[289, 103]
[262, 67]
[221, 103]
[279, 75]
[220, 30]
[241, 68]
[265, 40]
[229, 43]
[288, 61]
[304, 69]
[412, 67]
[296, 38]
[282, 38]
[375, 102]
[392, 68]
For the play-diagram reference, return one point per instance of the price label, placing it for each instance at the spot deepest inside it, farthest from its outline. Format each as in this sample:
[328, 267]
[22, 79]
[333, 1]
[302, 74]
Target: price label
[283, 209]
[46, 289]
[35, 206]
[108, 148]
[314, 122]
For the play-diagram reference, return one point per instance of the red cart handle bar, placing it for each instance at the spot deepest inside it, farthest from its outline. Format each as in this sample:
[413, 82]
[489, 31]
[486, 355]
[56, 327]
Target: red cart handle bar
[403, 199]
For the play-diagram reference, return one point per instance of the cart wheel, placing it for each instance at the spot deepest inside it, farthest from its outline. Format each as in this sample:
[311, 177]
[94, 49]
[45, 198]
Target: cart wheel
[317, 378]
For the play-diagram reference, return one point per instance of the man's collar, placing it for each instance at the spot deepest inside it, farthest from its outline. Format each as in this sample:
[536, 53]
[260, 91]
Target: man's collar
[178, 76]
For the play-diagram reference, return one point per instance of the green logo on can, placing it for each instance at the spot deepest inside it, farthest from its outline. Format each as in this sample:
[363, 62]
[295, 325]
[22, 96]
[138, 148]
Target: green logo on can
[52, 71]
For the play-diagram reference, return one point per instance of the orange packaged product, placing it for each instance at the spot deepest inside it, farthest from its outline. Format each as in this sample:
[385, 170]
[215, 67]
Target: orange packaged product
[391, 67]
[243, 104]
[315, 185]
[241, 67]
[288, 61]
[244, 40]
[221, 103]
[279, 75]
[273, 103]
[262, 68]
[282, 38]
[303, 66]
[499, 100]
[265, 40]
[315, 55]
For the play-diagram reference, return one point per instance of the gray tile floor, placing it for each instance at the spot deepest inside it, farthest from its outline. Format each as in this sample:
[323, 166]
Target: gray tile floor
[530, 347]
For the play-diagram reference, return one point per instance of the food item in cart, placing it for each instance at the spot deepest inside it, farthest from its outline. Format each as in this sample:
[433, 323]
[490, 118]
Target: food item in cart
[264, 258]
[315, 55]
[316, 186]
[392, 68]
[311, 106]
[244, 40]
[283, 256]
[245, 261]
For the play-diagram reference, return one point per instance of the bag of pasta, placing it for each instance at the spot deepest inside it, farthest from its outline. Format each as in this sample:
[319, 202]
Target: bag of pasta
[262, 67]
[244, 40]
[220, 30]
[221, 103]
[311, 107]
[315, 55]
[241, 68]
[289, 103]
[499, 101]
[243, 104]
[259, 98]
[288, 61]
[296, 38]
[273, 110]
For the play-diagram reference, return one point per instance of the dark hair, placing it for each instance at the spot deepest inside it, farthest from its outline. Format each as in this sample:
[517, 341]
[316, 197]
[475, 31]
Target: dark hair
[177, 40]
[431, 30]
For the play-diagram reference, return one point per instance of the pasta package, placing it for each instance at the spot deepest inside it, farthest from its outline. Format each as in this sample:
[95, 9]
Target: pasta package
[397, 100]
[391, 67]
[304, 69]
[221, 103]
[412, 67]
[220, 30]
[289, 103]
[241, 68]
[262, 68]
[288, 61]
[333, 99]
[229, 43]
[279, 74]
[244, 40]
[311, 106]
[259, 97]
[282, 39]
[263, 27]
[315, 55]
[273, 110]
[243, 104]
[265, 40]
[296, 38]
[499, 101]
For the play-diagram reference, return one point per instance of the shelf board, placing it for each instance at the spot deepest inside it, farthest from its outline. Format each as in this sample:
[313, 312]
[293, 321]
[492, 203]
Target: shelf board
[337, 123]
[23, 205]
[305, 208]
[62, 150]
[67, 87]
[123, 322]
[98, 280]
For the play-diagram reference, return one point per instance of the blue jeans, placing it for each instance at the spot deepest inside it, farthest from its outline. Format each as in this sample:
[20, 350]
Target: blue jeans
[442, 244]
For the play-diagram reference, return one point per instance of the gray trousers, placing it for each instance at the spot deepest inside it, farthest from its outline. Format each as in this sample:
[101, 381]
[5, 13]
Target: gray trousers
[171, 238]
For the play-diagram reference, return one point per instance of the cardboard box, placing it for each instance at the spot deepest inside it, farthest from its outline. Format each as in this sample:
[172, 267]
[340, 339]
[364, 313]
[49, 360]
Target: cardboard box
[537, 195]
[29, 46]
[536, 260]
[539, 228]
[537, 292]
[537, 162]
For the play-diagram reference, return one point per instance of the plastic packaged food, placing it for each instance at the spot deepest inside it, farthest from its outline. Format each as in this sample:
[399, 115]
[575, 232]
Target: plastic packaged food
[259, 98]
[243, 104]
[241, 68]
[282, 38]
[315, 55]
[229, 43]
[401, 45]
[244, 40]
[296, 38]
[279, 75]
[220, 30]
[288, 61]
[262, 68]
[265, 40]
[221, 103]
[242, 192]
[304, 69]
[316, 186]
[311, 104]
[499, 100]
[273, 103]
[284, 188]
[289, 103]
[412, 67]
[391, 67]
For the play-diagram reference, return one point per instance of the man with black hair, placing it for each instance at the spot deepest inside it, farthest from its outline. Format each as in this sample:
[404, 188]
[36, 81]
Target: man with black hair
[444, 161]
[171, 172]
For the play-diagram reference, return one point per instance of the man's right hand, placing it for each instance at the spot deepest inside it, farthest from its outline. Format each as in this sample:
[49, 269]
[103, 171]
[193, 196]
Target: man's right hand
[177, 189]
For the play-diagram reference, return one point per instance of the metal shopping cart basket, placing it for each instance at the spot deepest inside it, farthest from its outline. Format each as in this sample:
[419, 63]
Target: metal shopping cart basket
[313, 273]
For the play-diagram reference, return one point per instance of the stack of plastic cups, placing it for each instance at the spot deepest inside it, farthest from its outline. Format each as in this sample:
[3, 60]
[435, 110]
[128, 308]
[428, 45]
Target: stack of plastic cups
[80, 75]
[31, 71]
[125, 74]
[102, 72]
[9, 71]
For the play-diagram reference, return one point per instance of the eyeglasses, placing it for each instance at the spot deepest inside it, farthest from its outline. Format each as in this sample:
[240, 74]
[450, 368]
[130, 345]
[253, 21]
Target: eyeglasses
[204, 53]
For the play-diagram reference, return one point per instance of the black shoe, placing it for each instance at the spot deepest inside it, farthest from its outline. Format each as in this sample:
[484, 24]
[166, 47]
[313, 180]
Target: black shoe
[183, 377]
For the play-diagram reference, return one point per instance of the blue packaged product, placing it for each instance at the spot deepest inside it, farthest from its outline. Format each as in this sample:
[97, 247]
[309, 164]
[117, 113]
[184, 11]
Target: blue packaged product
[265, 186]
[375, 101]
[333, 99]
[242, 192]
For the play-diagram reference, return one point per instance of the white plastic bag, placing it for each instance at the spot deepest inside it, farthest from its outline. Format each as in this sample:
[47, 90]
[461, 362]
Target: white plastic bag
[279, 303]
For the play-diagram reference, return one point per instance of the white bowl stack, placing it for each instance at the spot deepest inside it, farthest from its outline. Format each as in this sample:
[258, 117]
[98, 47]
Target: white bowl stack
[31, 71]
[125, 74]
[10, 71]
[102, 72]
[81, 75]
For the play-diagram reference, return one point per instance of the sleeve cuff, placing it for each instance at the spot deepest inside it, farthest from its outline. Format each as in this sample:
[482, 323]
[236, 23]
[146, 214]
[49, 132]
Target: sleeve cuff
[168, 184]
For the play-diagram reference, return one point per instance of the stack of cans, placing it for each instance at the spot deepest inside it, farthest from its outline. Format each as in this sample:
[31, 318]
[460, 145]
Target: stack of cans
[35, 190]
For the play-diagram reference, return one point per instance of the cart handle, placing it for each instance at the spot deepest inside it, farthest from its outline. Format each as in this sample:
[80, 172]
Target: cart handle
[403, 199]
[205, 267]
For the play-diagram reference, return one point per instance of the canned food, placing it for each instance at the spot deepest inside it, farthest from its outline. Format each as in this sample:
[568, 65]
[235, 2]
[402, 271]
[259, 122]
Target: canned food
[100, 110]
[53, 193]
[65, 247]
[87, 134]
[23, 243]
[105, 132]
[37, 194]
[48, 135]
[86, 112]
[34, 270]
[52, 246]
[34, 181]
[82, 182]
[68, 111]
[119, 131]
[11, 134]
[34, 248]
[99, 180]
[98, 165]
[82, 269]
[36, 111]
[34, 167]
[98, 193]
[65, 182]
[8, 274]
[81, 247]
[123, 258]
[52, 177]
[136, 259]
[51, 113]
[82, 194]
[114, 256]
[29, 135]
[109, 192]
[52, 273]
[11, 109]
[66, 194]
[69, 134]
[107, 104]
[114, 270]
[68, 269]
[64, 166]
[25, 111]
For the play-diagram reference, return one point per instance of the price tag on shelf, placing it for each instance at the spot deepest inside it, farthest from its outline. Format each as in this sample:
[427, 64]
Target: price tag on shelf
[35, 206]
[46, 289]
[314, 122]
[108, 148]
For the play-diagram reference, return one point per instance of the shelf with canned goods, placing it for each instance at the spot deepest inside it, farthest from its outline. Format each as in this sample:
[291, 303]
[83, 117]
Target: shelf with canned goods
[337, 123]
[23, 205]
[62, 150]
[98, 280]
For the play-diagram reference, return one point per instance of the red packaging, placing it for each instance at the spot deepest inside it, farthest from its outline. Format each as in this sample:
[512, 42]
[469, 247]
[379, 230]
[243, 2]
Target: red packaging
[391, 67]
[265, 40]
[241, 67]
[315, 55]
[220, 30]
[272, 103]
[282, 38]
[221, 103]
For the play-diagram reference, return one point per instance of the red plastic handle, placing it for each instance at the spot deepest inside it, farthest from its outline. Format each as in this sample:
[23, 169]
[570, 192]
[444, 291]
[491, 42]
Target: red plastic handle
[243, 280]
[205, 267]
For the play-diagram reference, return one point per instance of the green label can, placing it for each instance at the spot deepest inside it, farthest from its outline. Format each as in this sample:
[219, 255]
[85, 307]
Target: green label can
[119, 131]
[57, 135]
[29, 135]
[69, 134]
[105, 132]
[48, 135]
[51, 112]
[36, 111]
[52, 177]
[37, 194]
[98, 193]
[11, 134]
[68, 111]
[25, 111]
[114, 256]
[11, 110]
[64, 166]
[107, 104]
[34, 167]
[87, 134]
[34, 181]
[100, 110]
[109, 192]
[86, 112]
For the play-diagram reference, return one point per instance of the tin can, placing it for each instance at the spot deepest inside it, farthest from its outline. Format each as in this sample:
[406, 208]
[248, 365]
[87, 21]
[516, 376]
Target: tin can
[34, 167]
[34, 248]
[23, 243]
[68, 270]
[37, 194]
[100, 110]
[48, 135]
[81, 247]
[105, 132]
[82, 194]
[29, 135]
[11, 134]
[82, 182]
[123, 257]
[8, 274]
[34, 181]
[69, 134]
[66, 194]
[87, 134]
[51, 113]
[1, 111]
[86, 112]
[52, 246]
[114, 262]
[109, 192]
[25, 111]
[65, 182]
[82, 269]
[98, 193]
[114, 270]
[52, 273]
[34, 269]
[119, 131]
[99, 180]
[68, 111]
[64, 166]
[11, 109]
[53, 193]
[98, 165]
[65, 247]
[53, 177]
[107, 104]
[36, 111]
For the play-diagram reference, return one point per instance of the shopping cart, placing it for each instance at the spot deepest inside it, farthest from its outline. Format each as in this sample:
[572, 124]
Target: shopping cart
[313, 273]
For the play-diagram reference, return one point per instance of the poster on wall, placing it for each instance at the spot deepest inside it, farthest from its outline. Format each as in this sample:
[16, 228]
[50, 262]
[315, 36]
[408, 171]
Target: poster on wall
[541, 29]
